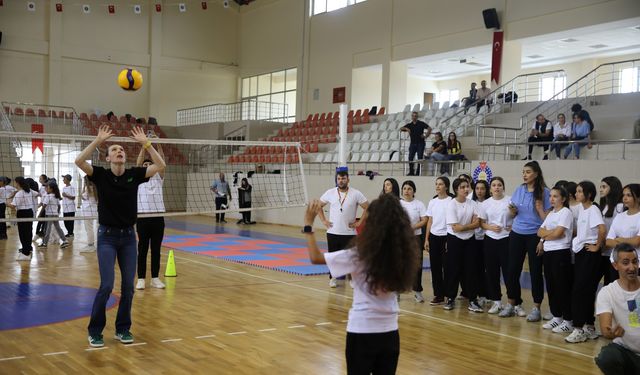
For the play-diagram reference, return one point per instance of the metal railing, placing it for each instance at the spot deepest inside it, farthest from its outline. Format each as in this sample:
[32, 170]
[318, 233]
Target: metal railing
[43, 113]
[14, 142]
[389, 168]
[244, 110]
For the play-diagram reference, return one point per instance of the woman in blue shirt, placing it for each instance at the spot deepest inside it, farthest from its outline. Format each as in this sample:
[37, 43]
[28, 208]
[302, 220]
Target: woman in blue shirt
[581, 131]
[529, 206]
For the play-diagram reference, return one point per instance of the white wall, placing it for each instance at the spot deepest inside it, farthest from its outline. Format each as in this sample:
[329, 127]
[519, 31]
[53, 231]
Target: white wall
[366, 86]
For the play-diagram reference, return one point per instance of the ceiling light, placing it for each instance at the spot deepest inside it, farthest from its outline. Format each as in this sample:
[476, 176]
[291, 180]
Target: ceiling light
[598, 46]
[535, 56]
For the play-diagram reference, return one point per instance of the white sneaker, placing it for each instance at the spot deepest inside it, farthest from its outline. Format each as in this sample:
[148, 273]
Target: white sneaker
[333, 283]
[591, 332]
[35, 238]
[418, 297]
[578, 335]
[495, 308]
[519, 311]
[534, 315]
[64, 244]
[156, 283]
[22, 257]
[140, 284]
[547, 316]
[553, 323]
[88, 249]
[564, 327]
[507, 311]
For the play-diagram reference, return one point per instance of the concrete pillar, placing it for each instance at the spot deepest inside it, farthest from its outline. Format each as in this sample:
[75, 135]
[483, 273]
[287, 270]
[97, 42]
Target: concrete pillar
[54, 66]
[397, 86]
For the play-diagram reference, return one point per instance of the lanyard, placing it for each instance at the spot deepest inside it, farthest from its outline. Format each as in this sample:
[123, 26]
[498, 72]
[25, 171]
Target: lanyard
[340, 199]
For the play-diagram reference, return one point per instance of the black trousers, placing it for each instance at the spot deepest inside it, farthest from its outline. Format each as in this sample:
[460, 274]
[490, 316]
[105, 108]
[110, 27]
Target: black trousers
[415, 148]
[246, 215]
[372, 353]
[24, 231]
[337, 242]
[41, 228]
[150, 232]
[460, 263]
[417, 283]
[521, 245]
[69, 224]
[496, 260]
[558, 274]
[607, 271]
[437, 249]
[585, 285]
[219, 202]
[533, 140]
[3, 225]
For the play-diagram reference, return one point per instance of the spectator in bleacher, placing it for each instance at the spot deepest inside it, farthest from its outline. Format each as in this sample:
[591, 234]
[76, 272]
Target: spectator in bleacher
[580, 131]
[541, 131]
[483, 96]
[438, 151]
[561, 132]
[577, 109]
[417, 135]
[471, 99]
[454, 148]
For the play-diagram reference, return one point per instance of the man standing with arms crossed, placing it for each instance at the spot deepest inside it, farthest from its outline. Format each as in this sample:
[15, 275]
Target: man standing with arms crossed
[417, 135]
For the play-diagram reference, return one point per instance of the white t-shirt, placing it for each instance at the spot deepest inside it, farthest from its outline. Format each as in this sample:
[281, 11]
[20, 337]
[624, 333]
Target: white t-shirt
[343, 207]
[626, 226]
[416, 211]
[43, 192]
[461, 213]
[150, 197]
[561, 218]
[575, 211]
[496, 212]
[479, 233]
[6, 192]
[68, 205]
[625, 308]
[370, 313]
[24, 201]
[558, 130]
[437, 211]
[89, 205]
[52, 204]
[607, 222]
[587, 228]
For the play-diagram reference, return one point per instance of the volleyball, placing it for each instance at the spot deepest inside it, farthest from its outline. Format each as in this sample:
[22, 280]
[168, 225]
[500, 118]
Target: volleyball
[130, 79]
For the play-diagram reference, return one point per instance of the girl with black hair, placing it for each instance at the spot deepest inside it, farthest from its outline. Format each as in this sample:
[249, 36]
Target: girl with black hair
[435, 242]
[51, 207]
[555, 243]
[625, 227]
[496, 220]
[244, 201]
[22, 202]
[462, 220]
[390, 186]
[481, 192]
[41, 228]
[574, 205]
[611, 205]
[89, 207]
[417, 213]
[589, 240]
[529, 205]
[382, 264]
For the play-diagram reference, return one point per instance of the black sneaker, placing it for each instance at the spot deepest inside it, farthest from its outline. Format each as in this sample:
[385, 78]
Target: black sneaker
[96, 341]
[475, 307]
[450, 304]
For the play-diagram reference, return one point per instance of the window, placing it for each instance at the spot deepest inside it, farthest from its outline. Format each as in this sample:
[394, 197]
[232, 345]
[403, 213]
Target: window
[551, 86]
[323, 6]
[270, 96]
[629, 80]
[448, 96]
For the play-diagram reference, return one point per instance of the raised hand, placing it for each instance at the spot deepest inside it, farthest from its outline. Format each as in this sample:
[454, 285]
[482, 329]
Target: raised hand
[311, 212]
[138, 135]
[104, 133]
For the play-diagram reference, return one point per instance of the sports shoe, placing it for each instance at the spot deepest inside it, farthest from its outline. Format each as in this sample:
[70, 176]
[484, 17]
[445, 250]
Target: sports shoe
[96, 341]
[553, 323]
[140, 284]
[565, 327]
[22, 257]
[495, 308]
[519, 311]
[418, 297]
[351, 283]
[156, 283]
[507, 311]
[436, 301]
[36, 237]
[591, 332]
[475, 307]
[69, 236]
[547, 316]
[482, 301]
[534, 315]
[124, 337]
[42, 246]
[88, 249]
[578, 335]
[64, 244]
[450, 304]
[333, 283]
[461, 297]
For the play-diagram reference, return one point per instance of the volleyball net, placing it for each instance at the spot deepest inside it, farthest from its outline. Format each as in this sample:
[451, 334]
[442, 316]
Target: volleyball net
[272, 169]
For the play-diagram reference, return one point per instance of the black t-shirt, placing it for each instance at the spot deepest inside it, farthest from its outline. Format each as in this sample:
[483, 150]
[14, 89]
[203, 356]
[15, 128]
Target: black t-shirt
[435, 145]
[118, 195]
[416, 130]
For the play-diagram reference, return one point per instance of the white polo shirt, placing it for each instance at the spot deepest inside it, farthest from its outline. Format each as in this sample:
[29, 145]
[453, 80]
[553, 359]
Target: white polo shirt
[343, 207]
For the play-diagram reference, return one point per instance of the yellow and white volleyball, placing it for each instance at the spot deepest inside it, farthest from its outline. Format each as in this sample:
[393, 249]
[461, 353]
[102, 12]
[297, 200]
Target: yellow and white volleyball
[130, 79]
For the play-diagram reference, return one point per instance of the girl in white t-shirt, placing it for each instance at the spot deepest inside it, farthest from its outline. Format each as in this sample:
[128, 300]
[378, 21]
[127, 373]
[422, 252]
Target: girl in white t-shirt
[555, 246]
[51, 206]
[611, 205]
[462, 220]
[89, 208]
[496, 220]
[589, 241]
[625, 228]
[382, 264]
[435, 242]
[417, 213]
[481, 192]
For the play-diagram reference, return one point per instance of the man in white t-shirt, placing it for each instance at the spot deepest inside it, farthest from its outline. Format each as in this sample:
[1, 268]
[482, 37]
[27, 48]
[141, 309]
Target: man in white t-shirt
[343, 205]
[618, 310]
[68, 204]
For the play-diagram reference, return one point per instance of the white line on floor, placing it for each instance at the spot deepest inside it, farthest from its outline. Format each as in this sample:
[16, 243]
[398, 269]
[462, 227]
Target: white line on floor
[323, 324]
[136, 344]
[55, 353]
[170, 340]
[205, 336]
[94, 349]
[299, 326]
[12, 358]
[267, 330]
[236, 333]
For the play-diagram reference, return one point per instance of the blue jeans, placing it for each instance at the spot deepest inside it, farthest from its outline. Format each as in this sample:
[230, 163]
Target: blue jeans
[121, 244]
[575, 147]
[436, 156]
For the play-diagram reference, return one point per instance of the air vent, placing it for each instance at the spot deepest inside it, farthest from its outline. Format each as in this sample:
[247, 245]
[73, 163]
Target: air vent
[463, 61]
[535, 56]
[453, 59]
[598, 46]
[568, 40]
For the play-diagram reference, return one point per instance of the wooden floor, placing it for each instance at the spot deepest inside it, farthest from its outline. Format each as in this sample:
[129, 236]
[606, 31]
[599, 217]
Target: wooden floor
[219, 317]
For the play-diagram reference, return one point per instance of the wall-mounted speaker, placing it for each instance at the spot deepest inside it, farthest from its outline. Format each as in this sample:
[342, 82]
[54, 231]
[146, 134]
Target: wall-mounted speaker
[491, 18]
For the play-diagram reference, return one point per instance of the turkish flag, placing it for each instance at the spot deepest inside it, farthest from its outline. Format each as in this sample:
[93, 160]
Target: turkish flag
[37, 143]
[112, 9]
[158, 7]
[204, 5]
[58, 7]
[496, 58]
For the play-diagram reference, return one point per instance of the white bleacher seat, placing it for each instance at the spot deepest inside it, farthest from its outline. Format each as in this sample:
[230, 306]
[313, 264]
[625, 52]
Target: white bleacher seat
[320, 157]
[384, 146]
[416, 108]
[357, 137]
[439, 113]
[395, 145]
[364, 157]
[374, 136]
[327, 157]
[453, 122]
[355, 156]
[374, 157]
[478, 120]
[365, 136]
[456, 103]
[407, 108]
[385, 156]
[383, 126]
[496, 108]
[399, 116]
[450, 112]
[445, 105]
[425, 107]
[393, 134]
[482, 110]
[396, 156]
[374, 126]
[355, 147]
[364, 146]
[335, 158]
[435, 105]
[434, 122]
